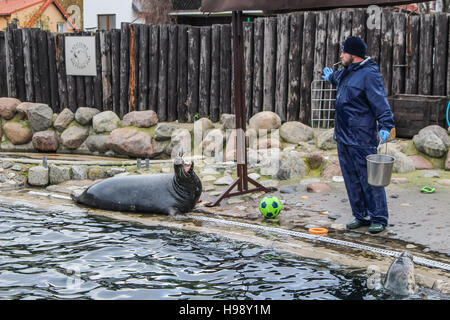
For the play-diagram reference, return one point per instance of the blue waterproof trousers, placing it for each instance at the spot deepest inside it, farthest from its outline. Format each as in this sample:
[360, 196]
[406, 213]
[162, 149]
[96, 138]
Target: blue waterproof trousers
[367, 202]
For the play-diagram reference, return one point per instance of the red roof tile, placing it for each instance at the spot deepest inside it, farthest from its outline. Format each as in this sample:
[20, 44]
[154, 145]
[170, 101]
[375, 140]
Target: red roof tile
[8, 7]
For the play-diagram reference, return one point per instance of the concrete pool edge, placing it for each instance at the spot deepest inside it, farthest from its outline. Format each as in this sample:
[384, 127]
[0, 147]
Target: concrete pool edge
[343, 256]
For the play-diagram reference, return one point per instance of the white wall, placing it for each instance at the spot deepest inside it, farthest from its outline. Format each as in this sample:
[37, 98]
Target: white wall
[121, 8]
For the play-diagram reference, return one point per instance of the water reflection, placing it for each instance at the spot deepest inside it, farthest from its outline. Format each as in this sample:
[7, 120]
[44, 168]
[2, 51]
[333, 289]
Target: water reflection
[71, 255]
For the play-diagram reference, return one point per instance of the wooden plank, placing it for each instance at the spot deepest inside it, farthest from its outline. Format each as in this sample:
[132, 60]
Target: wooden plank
[412, 55]
[281, 84]
[333, 45]
[103, 49]
[132, 74]
[3, 85]
[214, 102]
[426, 54]
[162, 73]
[89, 84]
[115, 69]
[34, 42]
[61, 71]
[248, 61]
[54, 96]
[258, 66]
[153, 65]
[320, 47]
[124, 68]
[359, 23]
[440, 53]
[10, 62]
[399, 61]
[307, 67]
[193, 72]
[28, 67]
[19, 64]
[386, 49]
[172, 90]
[295, 58]
[44, 67]
[270, 54]
[346, 25]
[182, 79]
[143, 67]
[225, 69]
[205, 71]
[72, 90]
[373, 34]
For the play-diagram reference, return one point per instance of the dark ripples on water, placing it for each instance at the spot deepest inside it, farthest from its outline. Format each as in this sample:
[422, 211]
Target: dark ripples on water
[71, 255]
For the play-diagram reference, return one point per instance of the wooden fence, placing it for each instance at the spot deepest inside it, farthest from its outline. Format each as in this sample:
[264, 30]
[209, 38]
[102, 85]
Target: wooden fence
[183, 72]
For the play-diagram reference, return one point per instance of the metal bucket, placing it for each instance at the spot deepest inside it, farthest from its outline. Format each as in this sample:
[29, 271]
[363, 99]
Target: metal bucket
[379, 169]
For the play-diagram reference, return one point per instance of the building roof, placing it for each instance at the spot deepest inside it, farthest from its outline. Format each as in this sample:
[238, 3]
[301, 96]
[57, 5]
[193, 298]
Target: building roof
[8, 7]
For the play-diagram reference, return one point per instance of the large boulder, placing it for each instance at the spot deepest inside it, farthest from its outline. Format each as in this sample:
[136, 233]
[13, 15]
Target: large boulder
[141, 119]
[282, 165]
[22, 109]
[97, 143]
[331, 169]
[106, 121]
[325, 140]
[40, 117]
[38, 176]
[201, 128]
[45, 141]
[63, 119]
[265, 120]
[84, 115]
[164, 131]
[17, 132]
[130, 142]
[314, 160]
[228, 121]
[73, 137]
[59, 174]
[421, 163]
[403, 163]
[213, 143]
[181, 143]
[295, 132]
[432, 141]
[8, 107]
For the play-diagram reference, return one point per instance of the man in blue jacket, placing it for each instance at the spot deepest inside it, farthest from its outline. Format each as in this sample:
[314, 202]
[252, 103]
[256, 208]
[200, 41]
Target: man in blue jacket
[362, 115]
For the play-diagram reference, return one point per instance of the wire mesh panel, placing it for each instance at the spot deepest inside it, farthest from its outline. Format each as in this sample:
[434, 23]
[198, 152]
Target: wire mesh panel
[323, 96]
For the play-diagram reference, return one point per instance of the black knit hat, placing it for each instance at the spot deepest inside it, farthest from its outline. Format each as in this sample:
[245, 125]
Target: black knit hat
[355, 46]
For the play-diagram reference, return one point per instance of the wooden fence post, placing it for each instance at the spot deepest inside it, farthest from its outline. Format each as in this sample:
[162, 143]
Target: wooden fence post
[193, 71]
[115, 68]
[295, 58]
[102, 81]
[132, 63]
[3, 85]
[374, 35]
[412, 55]
[270, 54]
[29, 89]
[143, 67]
[307, 67]
[225, 69]
[153, 67]
[386, 50]
[205, 72]
[44, 67]
[258, 66]
[162, 73]
[124, 68]
[54, 97]
[440, 53]
[426, 54]
[281, 73]
[61, 71]
[214, 102]
[172, 74]
[10, 63]
[399, 61]
[248, 61]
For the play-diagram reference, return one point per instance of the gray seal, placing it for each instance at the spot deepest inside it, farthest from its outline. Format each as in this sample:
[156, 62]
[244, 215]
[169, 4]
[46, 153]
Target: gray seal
[400, 278]
[168, 194]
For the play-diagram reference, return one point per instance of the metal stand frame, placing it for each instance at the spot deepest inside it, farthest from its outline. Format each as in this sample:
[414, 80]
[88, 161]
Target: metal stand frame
[241, 146]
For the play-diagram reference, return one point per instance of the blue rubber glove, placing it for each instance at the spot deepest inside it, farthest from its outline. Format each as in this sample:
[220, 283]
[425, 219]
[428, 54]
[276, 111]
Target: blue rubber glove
[327, 73]
[384, 135]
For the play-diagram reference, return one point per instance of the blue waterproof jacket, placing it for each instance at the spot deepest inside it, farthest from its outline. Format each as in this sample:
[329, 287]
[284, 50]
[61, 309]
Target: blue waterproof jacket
[361, 101]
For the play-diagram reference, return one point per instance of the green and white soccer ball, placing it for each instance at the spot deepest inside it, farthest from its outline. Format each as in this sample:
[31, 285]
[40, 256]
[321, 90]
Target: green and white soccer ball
[270, 207]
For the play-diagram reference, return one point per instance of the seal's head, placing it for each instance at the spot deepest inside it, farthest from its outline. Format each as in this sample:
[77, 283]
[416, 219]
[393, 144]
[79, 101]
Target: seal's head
[400, 276]
[186, 180]
[183, 170]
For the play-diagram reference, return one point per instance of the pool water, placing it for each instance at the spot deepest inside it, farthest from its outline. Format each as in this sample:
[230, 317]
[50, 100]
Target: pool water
[69, 254]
